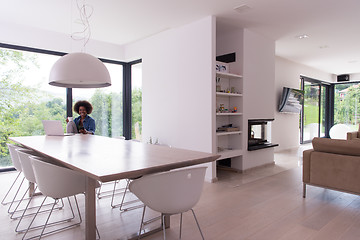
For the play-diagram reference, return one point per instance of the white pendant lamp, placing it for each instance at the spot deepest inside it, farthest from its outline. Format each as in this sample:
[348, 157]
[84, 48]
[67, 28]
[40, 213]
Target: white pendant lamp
[79, 70]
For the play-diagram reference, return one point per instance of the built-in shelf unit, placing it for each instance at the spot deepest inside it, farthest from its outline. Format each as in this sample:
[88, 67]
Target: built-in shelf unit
[229, 108]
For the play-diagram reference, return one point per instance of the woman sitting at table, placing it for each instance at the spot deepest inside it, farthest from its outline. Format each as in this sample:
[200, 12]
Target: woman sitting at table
[83, 123]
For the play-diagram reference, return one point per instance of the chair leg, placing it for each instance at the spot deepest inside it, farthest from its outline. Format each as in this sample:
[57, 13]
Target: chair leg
[99, 191]
[197, 223]
[47, 220]
[181, 214]
[12, 202]
[12, 185]
[163, 225]
[113, 195]
[123, 198]
[23, 214]
[57, 222]
[29, 227]
[304, 190]
[17, 206]
[142, 221]
[78, 209]
[43, 211]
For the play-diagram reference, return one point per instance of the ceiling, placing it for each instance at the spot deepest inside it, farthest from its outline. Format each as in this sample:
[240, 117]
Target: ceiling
[332, 26]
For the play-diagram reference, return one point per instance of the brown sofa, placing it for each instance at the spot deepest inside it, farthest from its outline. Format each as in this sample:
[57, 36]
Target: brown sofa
[333, 164]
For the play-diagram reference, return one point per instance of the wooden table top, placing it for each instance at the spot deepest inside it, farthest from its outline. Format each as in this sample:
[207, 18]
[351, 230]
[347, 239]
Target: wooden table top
[107, 159]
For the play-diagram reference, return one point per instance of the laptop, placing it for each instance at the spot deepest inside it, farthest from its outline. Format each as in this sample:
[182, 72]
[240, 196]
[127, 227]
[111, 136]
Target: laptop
[54, 128]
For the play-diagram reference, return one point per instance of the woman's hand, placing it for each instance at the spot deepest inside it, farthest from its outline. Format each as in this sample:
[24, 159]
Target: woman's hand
[83, 131]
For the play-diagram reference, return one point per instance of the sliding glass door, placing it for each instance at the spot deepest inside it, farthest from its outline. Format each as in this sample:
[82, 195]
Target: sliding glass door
[314, 116]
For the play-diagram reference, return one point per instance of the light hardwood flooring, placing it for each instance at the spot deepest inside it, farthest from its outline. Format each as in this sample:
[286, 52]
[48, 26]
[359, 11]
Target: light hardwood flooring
[263, 204]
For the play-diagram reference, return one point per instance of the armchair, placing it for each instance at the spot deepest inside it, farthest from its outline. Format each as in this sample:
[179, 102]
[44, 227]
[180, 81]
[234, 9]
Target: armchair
[333, 164]
[353, 135]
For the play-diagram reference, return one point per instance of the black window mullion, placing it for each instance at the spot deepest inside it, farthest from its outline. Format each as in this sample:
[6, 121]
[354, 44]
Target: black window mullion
[320, 108]
[302, 113]
[329, 113]
[127, 101]
[69, 112]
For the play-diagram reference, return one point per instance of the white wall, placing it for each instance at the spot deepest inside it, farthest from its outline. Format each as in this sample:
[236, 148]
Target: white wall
[355, 77]
[229, 42]
[259, 98]
[177, 85]
[37, 38]
[285, 128]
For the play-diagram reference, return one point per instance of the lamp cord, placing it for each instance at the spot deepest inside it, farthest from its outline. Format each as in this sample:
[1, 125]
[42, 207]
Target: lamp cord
[85, 12]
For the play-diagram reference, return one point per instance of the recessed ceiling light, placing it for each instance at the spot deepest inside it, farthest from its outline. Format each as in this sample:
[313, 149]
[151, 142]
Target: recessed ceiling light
[323, 46]
[242, 8]
[303, 36]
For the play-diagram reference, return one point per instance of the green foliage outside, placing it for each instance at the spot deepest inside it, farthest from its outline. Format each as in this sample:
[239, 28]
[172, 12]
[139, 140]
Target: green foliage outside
[136, 107]
[22, 108]
[107, 112]
[347, 106]
[311, 105]
[311, 113]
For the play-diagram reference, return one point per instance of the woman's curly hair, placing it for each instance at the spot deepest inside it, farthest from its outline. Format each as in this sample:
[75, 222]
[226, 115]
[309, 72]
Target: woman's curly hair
[85, 104]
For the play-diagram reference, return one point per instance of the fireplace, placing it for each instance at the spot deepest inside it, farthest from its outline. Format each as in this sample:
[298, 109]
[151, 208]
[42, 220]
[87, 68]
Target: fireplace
[257, 134]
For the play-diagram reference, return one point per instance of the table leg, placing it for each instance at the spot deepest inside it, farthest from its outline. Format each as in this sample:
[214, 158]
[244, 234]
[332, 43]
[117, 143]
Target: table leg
[90, 209]
[167, 221]
[31, 189]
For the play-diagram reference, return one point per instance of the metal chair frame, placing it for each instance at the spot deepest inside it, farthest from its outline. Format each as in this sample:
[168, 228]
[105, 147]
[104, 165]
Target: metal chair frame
[43, 233]
[38, 211]
[12, 185]
[16, 210]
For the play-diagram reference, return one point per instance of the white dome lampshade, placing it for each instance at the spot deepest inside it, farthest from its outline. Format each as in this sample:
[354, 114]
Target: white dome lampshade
[79, 70]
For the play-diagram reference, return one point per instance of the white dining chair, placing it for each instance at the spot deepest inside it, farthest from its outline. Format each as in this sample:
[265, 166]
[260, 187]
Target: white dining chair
[57, 182]
[170, 193]
[24, 158]
[15, 160]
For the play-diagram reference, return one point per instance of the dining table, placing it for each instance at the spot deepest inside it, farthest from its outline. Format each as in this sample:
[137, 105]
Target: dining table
[106, 159]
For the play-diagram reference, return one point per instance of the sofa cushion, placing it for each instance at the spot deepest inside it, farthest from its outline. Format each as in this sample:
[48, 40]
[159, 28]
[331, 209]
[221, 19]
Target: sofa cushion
[337, 146]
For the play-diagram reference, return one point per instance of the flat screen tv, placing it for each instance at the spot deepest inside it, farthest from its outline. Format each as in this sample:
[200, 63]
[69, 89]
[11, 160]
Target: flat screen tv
[291, 100]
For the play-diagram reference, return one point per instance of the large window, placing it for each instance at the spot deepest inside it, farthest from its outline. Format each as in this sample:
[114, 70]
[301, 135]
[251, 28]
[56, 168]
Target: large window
[346, 104]
[27, 98]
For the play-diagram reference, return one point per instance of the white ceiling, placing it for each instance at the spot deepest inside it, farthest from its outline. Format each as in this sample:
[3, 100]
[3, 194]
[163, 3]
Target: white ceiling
[333, 27]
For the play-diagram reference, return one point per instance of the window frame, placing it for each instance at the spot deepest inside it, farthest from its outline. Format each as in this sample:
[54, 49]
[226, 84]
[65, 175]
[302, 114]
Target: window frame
[328, 107]
[126, 87]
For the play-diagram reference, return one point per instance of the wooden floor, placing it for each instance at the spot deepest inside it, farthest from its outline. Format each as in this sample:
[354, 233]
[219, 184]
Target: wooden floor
[262, 204]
